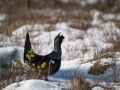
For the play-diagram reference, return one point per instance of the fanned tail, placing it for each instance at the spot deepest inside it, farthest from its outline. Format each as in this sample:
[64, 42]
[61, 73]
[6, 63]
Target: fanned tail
[28, 51]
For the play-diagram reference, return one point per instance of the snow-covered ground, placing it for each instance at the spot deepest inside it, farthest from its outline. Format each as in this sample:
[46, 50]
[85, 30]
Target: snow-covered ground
[79, 47]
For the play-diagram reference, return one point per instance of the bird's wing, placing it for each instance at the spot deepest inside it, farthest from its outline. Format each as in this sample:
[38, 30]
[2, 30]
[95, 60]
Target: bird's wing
[29, 55]
[43, 64]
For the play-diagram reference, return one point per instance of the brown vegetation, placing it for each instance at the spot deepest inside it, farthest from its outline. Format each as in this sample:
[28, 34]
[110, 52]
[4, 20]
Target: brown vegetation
[99, 69]
[79, 83]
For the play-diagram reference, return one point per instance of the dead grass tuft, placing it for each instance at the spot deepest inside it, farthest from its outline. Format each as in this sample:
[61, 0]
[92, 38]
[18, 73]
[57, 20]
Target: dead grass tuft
[101, 55]
[79, 83]
[98, 69]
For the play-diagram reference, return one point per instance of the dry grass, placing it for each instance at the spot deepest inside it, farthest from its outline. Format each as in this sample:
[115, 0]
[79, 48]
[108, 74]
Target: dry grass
[108, 53]
[19, 14]
[79, 83]
[115, 21]
[105, 6]
[80, 20]
[98, 69]
[11, 74]
[102, 54]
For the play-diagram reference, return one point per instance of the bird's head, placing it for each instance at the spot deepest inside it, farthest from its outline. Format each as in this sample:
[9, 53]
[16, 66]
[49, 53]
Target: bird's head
[59, 39]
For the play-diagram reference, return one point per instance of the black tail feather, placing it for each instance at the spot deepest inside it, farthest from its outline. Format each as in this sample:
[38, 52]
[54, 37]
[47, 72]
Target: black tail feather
[28, 52]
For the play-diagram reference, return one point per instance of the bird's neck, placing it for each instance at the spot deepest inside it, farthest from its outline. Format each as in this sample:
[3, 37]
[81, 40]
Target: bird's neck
[56, 53]
[57, 48]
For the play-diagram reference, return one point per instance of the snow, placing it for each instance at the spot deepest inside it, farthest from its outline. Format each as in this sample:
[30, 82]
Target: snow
[97, 17]
[33, 85]
[2, 17]
[9, 54]
[82, 2]
[98, 88]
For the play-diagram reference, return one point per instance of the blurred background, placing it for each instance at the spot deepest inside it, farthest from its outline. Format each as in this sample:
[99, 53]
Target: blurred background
[76, 13]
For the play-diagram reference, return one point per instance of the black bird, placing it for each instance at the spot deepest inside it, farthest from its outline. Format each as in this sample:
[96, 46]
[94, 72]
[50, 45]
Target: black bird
[45, 64]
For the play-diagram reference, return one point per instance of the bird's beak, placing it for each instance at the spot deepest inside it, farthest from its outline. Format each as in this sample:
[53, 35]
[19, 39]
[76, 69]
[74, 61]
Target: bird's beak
[60, 34]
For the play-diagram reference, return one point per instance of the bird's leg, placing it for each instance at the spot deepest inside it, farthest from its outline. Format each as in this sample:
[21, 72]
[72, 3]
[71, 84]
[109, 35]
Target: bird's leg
[43, 78]
[39, 76]
[46, 78]
[49, 69]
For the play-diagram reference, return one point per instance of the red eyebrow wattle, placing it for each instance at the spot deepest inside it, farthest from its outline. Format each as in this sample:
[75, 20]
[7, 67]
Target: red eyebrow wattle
[56, 36]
